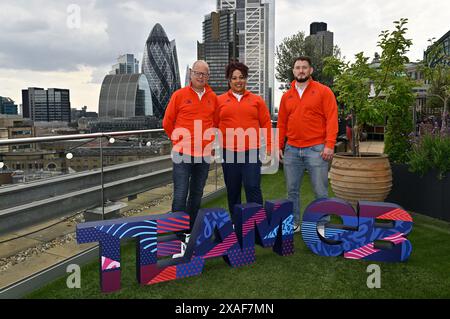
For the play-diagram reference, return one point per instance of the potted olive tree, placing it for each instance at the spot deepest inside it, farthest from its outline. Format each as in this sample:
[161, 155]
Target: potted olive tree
[373, 94]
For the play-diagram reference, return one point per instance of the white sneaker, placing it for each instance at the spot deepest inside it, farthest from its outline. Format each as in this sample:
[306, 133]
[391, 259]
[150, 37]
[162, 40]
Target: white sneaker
[183, 247]
[182, 251]
[296, 228]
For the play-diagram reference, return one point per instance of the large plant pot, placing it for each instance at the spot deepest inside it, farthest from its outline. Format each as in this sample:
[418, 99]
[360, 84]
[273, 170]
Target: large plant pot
[368, 177]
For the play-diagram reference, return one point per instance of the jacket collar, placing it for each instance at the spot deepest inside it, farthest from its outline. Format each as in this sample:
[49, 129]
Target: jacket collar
[230, 93]
[207, 88]
[293, 88]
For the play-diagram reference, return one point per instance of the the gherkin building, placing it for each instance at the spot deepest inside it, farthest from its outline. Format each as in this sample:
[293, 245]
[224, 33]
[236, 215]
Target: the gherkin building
[160, 65]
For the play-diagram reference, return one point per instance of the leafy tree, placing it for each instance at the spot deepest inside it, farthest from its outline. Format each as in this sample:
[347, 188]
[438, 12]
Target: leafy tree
[290, 48]
[294, 46]
[372, 94]
[436, 71]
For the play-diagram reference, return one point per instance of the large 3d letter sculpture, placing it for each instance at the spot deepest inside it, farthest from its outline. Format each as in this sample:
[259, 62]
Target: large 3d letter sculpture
[377, 232]
[272, 225]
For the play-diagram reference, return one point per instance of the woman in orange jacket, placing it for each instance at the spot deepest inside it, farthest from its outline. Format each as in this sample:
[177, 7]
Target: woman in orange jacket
[242, 117]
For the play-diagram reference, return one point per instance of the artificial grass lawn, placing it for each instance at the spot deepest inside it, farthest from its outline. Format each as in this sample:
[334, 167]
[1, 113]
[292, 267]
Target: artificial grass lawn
[302, 275]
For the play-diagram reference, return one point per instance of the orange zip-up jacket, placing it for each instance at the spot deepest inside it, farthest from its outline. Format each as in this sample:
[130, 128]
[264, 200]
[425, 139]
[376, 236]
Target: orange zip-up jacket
[250, 112]
[183, 111]
[310, 120]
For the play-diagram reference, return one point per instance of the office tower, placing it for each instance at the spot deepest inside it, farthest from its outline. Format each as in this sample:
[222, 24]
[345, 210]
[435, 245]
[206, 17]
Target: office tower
[226, 4]
[219, 46]
[320, 40]
[187, 79]
[317, 27]
[126, 64]
[58, 101]
[255, 29]
[7, 106]
[46, 105]
[160, 65]
[125, 96]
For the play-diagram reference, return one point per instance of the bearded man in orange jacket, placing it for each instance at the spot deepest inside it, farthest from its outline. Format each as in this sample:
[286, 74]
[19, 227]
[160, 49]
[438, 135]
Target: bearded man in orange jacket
[308, 127]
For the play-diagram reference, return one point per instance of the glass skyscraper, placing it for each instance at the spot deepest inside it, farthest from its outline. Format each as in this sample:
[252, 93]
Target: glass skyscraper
[160, 65]
[126, 64]
[255, 21]
[218, 47]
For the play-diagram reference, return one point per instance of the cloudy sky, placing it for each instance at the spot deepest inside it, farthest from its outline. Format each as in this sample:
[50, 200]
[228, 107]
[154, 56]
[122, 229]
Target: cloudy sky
[73, 43]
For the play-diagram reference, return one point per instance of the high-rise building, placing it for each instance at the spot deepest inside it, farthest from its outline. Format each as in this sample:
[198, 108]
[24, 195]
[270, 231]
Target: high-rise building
[219, 46]
[125, 96]
[7, 106]
[160, 65]
[255, 27]
[126, 64]
[320, 39]
[46, 105]
[226, 4]
[187, 79]
[317, 27]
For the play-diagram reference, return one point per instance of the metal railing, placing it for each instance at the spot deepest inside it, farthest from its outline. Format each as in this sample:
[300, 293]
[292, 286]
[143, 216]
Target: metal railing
[93, 136]
[62, 197]
[30, 140]
[80, 181]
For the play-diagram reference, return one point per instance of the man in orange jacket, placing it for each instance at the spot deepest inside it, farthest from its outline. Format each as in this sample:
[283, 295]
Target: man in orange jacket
[188, 119]
[308, 127]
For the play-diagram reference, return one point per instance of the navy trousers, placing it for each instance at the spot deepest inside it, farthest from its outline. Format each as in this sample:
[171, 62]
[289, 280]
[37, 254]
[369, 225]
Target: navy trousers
[189, 178]
[242, 168]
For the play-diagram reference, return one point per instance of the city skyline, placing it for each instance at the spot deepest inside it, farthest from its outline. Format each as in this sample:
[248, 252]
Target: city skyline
[81, 54]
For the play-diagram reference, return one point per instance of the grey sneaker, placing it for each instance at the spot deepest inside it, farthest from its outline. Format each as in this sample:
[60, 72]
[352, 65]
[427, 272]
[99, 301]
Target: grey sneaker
[296, 228]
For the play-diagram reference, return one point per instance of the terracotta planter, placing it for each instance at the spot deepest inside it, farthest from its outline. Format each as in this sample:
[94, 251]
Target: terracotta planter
[368, 177]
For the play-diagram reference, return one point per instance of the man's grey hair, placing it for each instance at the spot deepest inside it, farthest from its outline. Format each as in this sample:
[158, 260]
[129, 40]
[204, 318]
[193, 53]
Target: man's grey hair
[200, 62]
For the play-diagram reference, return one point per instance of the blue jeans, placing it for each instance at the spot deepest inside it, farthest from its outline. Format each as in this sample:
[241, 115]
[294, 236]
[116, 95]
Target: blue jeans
[295, 161]
[242, 168]
[189, 178]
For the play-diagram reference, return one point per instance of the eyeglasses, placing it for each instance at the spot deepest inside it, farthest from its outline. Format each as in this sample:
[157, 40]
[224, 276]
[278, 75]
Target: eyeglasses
[200, 74]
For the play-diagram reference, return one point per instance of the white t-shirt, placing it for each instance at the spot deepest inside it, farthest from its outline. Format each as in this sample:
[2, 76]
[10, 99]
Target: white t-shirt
[238, 96]
[300, 91]
[200, 94]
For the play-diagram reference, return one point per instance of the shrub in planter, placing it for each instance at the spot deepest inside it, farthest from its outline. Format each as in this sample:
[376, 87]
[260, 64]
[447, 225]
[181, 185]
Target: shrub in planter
[423, 184]
[430, 152]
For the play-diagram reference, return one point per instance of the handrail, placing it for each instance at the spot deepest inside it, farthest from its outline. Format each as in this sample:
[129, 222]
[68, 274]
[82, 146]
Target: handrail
[73, 137]
[76, 136]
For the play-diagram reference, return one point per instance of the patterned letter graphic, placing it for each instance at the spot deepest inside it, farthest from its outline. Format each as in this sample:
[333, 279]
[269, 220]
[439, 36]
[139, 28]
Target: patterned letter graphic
[377, 233]
[145, 229]
[213, 235]
[274, 226]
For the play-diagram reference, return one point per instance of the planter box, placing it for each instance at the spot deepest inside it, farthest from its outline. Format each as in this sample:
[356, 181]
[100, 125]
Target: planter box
[425, 195]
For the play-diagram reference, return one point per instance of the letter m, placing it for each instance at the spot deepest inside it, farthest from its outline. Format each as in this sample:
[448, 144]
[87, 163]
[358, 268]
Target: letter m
[272, 225]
